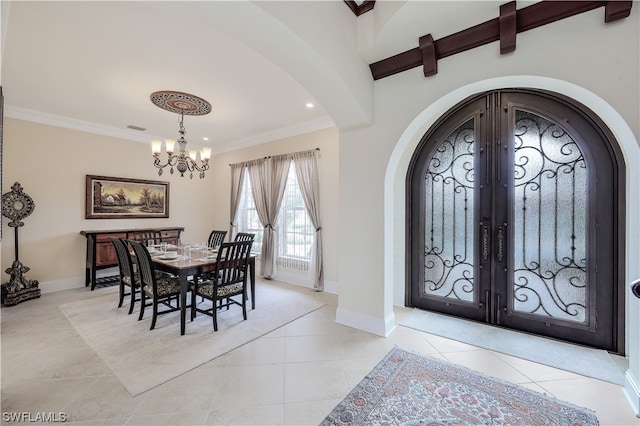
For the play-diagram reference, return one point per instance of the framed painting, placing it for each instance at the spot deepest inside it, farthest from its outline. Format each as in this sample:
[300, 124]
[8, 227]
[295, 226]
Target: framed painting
[120, 198]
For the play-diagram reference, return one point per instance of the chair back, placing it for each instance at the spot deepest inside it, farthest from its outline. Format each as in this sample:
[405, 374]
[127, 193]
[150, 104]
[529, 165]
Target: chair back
[124, 260]
[148, 237]
[216, 238]
[232, 261]
[145, 267]
[244, 236]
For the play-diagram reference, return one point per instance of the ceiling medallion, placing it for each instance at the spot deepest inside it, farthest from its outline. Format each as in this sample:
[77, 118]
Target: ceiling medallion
[180, 102]
[183, 104]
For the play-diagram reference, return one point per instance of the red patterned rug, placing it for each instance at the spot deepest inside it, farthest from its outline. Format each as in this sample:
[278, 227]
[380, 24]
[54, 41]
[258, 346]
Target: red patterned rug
[410, 389]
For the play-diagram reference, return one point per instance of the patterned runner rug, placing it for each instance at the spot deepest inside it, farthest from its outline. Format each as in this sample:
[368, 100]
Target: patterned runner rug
[410, 389]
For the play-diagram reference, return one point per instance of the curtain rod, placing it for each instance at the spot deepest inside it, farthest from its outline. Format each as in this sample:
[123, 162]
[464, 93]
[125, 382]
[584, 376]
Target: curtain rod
[266, 158]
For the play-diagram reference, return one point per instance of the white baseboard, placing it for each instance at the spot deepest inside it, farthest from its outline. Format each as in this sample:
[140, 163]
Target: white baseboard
[632, 390]
[60, 285]
[374, 325]
[72, 282]
[302, 280]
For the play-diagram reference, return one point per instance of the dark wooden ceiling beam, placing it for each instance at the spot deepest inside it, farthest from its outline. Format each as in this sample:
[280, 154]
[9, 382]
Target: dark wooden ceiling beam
[361, 8]
[615, 10]
[429, 61]
[508, 27]
[503, 29]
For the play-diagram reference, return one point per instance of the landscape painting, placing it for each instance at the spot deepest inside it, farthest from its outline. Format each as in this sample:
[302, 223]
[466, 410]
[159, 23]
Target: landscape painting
[117, 198]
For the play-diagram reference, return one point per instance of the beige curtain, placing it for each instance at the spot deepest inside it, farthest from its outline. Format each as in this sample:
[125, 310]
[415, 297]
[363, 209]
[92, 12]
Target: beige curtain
[278, 172]
[258, 177]
[237, 180]
[307, 174]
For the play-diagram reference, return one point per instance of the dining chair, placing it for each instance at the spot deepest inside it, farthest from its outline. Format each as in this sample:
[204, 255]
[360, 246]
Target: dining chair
[128, 277]
[162, 289]
[147, 237]
[229, 279]
[216, 238]
[244, 236]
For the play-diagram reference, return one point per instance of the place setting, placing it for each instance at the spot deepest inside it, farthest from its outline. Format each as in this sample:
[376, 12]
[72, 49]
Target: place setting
[165, 251]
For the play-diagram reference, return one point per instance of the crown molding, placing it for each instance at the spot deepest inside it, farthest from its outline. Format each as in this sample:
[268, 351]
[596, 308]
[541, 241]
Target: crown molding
[20, 113]
[99, 129]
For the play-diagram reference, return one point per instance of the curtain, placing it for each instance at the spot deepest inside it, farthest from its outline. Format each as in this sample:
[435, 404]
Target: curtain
[258, 178]
[237, 179]
[307, 174]
[278, 172]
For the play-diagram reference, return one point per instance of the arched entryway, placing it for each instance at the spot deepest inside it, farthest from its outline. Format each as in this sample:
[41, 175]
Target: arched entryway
[513, 201]
[395, 198]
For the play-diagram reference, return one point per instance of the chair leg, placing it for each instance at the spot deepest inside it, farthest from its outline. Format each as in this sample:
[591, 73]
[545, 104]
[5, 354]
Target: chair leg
[143, 304]
[155, 314]
[244, 304]
[193, 304]
[121, 294]
[133, 300]
[214, 314]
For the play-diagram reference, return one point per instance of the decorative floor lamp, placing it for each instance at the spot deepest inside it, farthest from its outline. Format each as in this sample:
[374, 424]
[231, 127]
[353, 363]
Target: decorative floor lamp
[16, 205]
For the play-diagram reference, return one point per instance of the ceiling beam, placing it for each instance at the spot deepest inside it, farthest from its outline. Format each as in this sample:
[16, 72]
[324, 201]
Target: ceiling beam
[359, 7]
[503, 29]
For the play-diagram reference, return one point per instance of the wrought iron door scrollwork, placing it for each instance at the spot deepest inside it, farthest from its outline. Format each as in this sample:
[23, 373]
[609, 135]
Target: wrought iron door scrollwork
[449, 183]
[550, 201]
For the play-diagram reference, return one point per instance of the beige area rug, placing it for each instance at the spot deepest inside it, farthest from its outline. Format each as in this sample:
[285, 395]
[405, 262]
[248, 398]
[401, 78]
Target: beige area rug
[143, 359]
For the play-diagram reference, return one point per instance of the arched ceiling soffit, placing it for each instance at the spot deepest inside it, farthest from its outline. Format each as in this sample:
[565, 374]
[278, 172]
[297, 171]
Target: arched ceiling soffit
[396, 26]
[314, 42]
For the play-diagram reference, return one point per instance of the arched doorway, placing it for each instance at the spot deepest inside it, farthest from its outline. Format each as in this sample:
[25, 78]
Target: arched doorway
[514, 202]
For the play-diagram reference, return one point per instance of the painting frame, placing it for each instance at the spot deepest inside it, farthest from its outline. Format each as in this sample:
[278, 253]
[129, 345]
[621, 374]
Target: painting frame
[108, 197]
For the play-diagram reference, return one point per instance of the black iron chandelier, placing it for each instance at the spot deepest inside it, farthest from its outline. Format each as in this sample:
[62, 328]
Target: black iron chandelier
[180, 103]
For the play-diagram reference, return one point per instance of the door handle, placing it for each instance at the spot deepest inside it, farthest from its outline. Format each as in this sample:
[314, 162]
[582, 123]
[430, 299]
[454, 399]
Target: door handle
[484, 230]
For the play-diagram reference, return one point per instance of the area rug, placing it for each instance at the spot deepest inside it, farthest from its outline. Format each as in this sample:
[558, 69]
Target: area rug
[589, 362]
[143, 359]
[406, 388]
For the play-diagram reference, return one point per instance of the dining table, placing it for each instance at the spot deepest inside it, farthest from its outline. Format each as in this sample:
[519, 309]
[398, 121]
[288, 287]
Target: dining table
[191, 266]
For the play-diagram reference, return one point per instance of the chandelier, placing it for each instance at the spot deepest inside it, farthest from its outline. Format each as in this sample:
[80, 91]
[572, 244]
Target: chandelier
[182, 104]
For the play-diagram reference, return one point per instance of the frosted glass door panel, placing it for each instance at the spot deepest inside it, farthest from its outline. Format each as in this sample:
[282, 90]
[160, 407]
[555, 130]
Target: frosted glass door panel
[449, 184]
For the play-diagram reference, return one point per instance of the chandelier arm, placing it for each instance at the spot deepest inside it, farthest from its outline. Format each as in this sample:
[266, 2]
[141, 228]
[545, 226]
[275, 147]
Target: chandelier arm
[193, 165]
[172, 160]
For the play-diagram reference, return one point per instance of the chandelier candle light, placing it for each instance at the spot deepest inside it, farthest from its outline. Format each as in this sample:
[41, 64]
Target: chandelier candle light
[180, 103]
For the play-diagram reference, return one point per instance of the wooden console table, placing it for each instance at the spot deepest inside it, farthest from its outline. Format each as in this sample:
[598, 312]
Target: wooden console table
[101, 255]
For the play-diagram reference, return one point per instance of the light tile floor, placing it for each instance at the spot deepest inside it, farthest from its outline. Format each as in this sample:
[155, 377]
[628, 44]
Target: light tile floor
[293, 376]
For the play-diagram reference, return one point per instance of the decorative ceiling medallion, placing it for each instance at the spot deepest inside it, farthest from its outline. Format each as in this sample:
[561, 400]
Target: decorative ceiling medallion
[180, 102]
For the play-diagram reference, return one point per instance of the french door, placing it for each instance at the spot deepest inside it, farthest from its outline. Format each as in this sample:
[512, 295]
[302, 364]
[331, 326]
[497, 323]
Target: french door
[513, 204]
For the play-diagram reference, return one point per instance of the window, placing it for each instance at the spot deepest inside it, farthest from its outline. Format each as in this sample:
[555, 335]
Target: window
[248, 220]
[295, 232]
